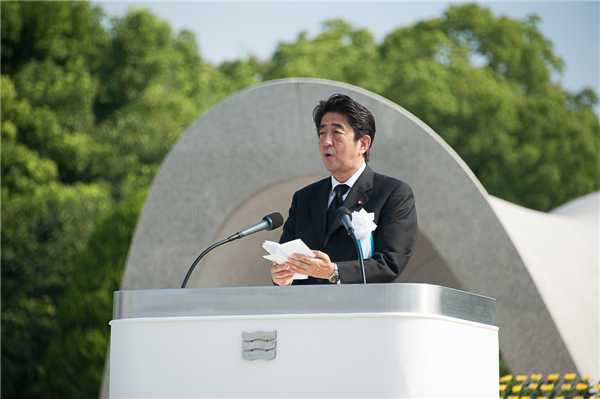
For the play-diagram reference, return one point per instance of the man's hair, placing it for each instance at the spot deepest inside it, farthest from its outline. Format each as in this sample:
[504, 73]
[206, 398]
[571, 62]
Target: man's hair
[360, 118]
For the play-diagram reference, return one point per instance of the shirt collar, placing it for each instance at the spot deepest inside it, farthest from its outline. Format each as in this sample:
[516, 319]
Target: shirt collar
[350, 182]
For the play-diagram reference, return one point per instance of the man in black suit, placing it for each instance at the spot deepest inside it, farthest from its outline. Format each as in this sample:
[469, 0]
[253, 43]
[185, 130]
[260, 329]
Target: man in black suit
[346, 130]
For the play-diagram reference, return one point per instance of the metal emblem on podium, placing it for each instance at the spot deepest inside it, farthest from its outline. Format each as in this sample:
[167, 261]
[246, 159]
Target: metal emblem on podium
[259, 345]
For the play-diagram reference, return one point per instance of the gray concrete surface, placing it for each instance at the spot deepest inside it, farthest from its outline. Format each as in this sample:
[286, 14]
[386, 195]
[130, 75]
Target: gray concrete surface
[245, 157]
[561, 251]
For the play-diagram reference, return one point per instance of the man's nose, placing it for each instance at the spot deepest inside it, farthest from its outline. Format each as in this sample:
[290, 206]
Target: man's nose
[328, 139]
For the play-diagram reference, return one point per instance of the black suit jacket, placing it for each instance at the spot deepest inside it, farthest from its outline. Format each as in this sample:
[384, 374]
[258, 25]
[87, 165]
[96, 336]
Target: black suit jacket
[393, 203]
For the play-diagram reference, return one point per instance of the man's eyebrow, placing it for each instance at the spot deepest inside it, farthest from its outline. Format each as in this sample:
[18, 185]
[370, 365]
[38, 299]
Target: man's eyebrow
[336, 124]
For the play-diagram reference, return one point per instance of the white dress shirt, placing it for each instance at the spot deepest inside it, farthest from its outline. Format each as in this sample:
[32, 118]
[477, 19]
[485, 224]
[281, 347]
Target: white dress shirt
[350, 182]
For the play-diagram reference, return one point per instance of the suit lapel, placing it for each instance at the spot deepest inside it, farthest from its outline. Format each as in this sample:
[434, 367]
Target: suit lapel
[357, 197]
[318, 210]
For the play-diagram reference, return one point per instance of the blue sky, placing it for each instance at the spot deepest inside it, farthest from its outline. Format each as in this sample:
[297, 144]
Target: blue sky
[232, 30]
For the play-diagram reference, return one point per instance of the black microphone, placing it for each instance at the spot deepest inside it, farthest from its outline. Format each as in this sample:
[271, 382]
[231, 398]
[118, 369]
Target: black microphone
[345, 217]
[269, 222]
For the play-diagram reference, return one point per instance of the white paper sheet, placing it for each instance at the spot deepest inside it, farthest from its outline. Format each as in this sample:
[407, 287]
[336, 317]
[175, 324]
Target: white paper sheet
[281, 252]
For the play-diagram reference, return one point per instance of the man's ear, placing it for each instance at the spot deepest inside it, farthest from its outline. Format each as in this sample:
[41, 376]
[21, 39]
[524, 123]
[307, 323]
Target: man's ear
[365, 143]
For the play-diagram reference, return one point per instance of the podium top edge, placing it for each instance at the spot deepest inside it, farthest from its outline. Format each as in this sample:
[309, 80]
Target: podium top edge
[422, 299]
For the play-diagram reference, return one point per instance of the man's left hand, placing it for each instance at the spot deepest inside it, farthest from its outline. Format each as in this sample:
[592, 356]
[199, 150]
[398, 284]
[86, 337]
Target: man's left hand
[319, 267]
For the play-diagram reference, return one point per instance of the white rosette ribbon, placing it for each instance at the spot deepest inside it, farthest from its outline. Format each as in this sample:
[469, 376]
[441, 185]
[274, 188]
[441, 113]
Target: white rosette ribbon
[363, 228]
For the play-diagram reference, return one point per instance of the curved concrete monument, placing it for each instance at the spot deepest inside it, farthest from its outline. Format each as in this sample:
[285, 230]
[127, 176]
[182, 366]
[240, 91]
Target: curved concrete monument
[246, 156]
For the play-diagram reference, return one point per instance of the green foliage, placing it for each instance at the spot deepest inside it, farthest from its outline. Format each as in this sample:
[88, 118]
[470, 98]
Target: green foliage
[74, 361]
[48, 206]
[44, 224]
[483, 84]
[504, 369]
[143, 54]
[341, 52]
[153, 86]
[55, 30]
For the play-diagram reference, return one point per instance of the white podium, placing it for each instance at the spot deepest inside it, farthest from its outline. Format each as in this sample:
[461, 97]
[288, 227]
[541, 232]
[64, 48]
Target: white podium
[342, 341]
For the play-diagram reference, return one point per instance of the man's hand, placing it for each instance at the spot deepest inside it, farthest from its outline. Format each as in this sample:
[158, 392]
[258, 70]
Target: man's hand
[319, 267]
[281, 275]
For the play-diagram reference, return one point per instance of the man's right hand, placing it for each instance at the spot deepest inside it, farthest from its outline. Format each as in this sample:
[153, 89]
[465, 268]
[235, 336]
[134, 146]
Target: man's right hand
[281, 275]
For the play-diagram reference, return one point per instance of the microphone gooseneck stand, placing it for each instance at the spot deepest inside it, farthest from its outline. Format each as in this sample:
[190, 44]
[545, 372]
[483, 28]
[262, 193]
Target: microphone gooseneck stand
[269, 222]
[345, 218]
[207, 250]
[360, 255]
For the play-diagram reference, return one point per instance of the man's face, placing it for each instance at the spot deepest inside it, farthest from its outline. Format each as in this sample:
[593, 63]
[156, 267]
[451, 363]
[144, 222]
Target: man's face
[342, 156]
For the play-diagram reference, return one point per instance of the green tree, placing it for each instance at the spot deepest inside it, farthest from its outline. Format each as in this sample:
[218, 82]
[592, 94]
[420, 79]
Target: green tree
[55, 30]
[75, 357]
[484, 84]
[47, 210]
[341, 52]
[143, 54]
[154, 85]
[44, 224]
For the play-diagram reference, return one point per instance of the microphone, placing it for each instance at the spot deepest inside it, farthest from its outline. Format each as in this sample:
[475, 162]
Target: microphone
[345, 217]
[269, 222]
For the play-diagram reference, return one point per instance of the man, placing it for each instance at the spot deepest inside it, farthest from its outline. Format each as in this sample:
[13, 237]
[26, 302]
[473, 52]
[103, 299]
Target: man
[346, 130]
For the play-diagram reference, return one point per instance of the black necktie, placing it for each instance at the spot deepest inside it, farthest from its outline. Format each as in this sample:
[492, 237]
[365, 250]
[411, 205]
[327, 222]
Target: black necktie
[339, 191]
